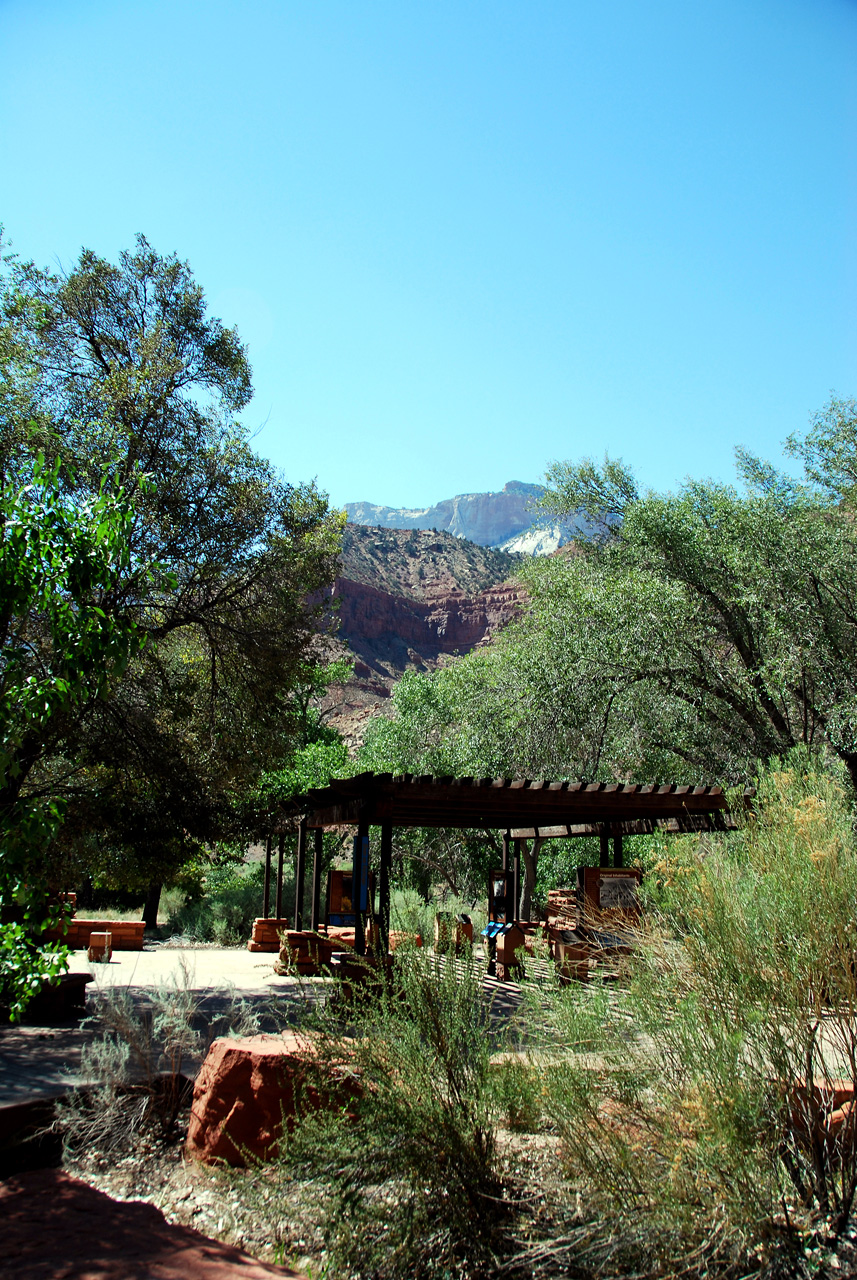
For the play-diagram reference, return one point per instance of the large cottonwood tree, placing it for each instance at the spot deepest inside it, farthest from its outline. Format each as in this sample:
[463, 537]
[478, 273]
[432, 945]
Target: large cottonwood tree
[117, 370]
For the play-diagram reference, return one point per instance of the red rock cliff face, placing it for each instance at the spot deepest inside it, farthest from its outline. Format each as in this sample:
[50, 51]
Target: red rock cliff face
[408, 601]
[445, 622]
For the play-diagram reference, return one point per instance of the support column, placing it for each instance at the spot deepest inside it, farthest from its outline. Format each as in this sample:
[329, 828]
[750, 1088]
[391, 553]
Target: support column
[266, 895]
[318, 847]
[357, 871]
[516, 882]
[507, 835]
[299, 875]
[280, 851]
[617, 851]
[384, 886]
[604, 847]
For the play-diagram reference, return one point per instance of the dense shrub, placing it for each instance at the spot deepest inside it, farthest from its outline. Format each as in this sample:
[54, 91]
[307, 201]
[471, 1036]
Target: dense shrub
[132, 1076]
[702, 1138]
[406, 1177]
[231, 899]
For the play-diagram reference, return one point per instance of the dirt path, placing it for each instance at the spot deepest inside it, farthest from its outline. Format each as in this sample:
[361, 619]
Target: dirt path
[53, 1227]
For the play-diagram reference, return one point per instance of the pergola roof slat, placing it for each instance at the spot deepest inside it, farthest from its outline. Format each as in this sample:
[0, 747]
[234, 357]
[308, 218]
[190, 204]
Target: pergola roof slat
[522, 805]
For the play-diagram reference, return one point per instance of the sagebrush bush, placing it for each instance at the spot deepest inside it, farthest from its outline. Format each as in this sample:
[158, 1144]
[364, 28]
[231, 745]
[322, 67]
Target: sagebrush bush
[695, 1107]
[406, 1173]
[131, 1079]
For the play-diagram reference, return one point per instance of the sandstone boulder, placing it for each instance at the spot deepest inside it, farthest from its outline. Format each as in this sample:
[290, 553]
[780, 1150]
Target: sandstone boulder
[247, 1089]
[826, 1114]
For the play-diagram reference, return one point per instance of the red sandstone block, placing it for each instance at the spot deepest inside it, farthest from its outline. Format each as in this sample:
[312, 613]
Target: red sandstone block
[248, 1088]
[100, 948]
[397, 938]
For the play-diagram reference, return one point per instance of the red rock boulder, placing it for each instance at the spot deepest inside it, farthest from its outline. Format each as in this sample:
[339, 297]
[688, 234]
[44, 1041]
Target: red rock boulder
[247, 1089]
[826, 1114]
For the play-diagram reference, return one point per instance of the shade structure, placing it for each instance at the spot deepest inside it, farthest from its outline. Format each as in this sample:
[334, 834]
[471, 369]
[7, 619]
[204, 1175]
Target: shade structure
[521, 806]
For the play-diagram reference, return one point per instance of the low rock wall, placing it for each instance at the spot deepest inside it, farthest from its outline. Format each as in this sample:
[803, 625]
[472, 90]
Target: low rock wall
[127, 934]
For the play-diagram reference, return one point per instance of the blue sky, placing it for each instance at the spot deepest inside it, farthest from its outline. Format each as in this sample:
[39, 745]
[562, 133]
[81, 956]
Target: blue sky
[465, 239]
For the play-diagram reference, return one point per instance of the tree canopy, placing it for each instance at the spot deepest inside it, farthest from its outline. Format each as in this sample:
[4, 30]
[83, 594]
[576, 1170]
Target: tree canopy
[58, 650]
[117, 373]
[693, 634]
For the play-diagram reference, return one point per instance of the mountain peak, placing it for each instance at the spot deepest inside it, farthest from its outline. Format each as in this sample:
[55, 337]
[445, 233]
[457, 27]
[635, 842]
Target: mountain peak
[484, 518]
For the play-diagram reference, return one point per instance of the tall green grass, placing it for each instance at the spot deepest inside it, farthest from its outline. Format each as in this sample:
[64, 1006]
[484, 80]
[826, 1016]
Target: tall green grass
[230, 900]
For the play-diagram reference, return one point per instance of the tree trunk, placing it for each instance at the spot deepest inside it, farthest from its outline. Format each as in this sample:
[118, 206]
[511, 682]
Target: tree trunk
[531, 866]
[153, 900]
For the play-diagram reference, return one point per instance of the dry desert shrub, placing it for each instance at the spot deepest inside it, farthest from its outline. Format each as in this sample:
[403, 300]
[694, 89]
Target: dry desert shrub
[699, 1100]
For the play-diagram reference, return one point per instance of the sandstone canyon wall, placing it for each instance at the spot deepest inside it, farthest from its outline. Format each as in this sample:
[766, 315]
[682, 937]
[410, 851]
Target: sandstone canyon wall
[408, 601]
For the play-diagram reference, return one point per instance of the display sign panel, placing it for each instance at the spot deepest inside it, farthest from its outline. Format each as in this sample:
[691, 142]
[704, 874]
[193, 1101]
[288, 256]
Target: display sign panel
[618, 892]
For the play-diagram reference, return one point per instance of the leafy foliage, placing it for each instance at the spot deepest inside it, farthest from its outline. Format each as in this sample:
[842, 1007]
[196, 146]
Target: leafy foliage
[59, 651]
[228, 902]
[117, 370]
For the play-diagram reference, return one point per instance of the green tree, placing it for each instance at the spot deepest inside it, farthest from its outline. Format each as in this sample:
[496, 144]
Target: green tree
[59, 651]
[723, 620]
[118, 369]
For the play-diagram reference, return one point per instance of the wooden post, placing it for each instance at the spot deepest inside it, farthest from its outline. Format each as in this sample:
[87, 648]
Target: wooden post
[384, 887]
[266, 895]
[516, 882]
[604, 843]
[357, 872]
[280, 845]
[318, 847]
[507, 835]
[299, 875]
[617, 850]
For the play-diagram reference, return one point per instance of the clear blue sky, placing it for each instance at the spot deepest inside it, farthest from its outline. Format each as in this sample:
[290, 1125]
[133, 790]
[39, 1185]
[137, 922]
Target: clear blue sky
[465, 238]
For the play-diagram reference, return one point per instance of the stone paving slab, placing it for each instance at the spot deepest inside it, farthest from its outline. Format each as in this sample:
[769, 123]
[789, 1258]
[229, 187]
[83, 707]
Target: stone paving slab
[43, 1062]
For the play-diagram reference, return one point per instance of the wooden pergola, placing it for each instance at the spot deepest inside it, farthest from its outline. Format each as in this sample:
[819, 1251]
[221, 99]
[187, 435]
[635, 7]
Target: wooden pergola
[519, 808]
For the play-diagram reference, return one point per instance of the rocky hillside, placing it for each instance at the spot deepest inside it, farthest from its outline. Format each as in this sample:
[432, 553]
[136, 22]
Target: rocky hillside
[484, 518]
[415, 562]
[408, 600]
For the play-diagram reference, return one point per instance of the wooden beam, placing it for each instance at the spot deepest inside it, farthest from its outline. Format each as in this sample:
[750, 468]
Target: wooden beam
[357, 873]
[603, 848]
[507, 835]
[280, 850]
[499, 803]
[516, 882]
[384, 888]
[318, 849]
[299, 875]
[266, 893]
[617, 849]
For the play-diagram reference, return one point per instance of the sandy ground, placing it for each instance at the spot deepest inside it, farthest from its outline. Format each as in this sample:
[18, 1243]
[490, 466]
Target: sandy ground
[43, 1062]
[39, 1062]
